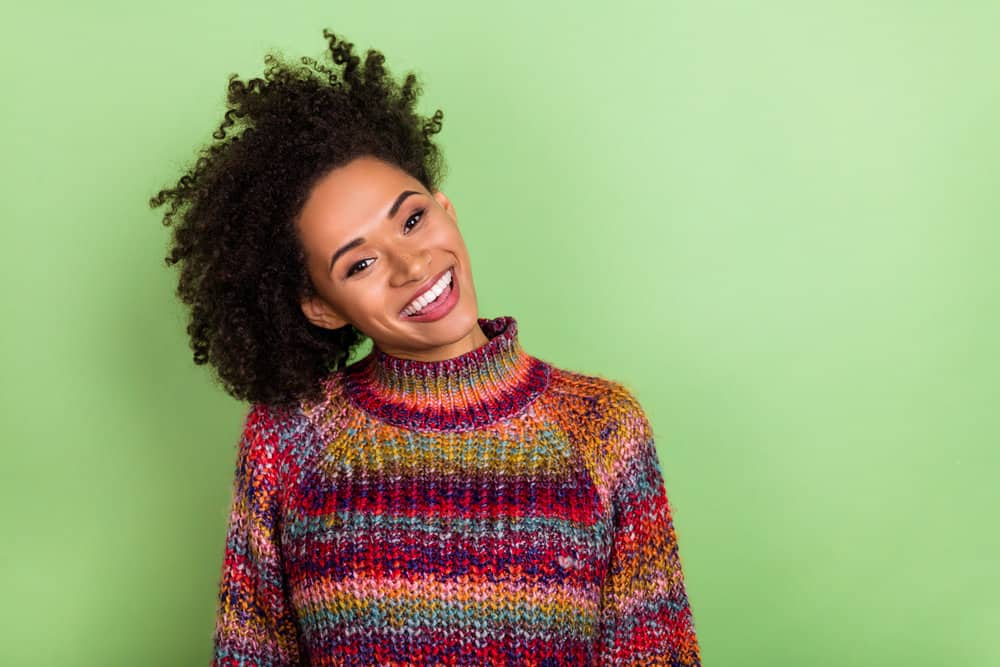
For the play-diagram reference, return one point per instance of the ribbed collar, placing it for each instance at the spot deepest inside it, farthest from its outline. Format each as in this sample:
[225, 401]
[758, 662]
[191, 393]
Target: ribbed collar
[471, 390]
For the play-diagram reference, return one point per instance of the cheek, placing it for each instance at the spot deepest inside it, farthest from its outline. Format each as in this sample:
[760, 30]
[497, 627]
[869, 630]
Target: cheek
[452, 239]
[442, 241]
[371, 296]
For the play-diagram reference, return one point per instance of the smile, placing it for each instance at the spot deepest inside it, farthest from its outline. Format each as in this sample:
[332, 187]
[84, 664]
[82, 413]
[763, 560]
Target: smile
[432, 297]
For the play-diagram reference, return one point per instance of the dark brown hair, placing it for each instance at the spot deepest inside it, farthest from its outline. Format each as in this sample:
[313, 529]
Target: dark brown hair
[242, 267]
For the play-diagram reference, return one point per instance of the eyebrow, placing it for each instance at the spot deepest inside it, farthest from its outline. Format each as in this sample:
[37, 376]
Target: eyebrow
[358, 241]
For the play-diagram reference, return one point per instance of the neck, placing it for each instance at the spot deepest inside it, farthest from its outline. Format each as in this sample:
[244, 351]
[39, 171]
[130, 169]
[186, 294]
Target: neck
[474, 339]
[497, 379]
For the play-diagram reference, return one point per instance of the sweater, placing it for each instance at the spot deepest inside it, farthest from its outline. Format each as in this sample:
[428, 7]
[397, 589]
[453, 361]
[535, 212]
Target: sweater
[488, 509]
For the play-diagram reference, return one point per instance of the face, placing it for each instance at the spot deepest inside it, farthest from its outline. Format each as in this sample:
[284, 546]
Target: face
[375, 239]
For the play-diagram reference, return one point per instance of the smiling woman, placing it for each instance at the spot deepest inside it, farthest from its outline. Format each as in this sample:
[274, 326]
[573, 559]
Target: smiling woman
[284, 142]
[447, 499]
[406, 281]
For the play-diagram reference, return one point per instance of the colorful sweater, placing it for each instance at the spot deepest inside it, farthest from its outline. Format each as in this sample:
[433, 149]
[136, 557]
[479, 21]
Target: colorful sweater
[489, 509]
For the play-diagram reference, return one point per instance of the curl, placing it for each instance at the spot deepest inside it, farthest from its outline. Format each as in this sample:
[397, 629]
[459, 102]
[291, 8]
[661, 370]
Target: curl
[241, 265]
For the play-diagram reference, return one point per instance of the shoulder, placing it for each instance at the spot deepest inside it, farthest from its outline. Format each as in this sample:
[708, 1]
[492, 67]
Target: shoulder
[594, 398]
[268, 425]
[604, 420]
[273, 440]
[332, 413]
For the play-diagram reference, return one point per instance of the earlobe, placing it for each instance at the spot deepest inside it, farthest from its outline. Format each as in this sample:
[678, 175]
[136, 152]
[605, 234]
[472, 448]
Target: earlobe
[317, 312]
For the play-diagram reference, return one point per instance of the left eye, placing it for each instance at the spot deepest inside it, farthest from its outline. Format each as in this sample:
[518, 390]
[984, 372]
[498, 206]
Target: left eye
[415, 218]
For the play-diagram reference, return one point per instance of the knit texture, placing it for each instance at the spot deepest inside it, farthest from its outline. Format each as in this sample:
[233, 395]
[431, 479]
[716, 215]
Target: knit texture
[489, 509]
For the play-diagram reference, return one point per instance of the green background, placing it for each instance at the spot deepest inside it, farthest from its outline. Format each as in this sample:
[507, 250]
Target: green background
[775, 221]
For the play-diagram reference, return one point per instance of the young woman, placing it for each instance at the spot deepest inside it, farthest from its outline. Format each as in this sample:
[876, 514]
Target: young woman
[447, 499]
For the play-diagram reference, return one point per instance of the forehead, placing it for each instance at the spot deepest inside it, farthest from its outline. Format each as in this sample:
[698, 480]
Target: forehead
[352, 196]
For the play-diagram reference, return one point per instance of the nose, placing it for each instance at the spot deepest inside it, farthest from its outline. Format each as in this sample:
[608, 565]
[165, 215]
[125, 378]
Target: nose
[411, 266]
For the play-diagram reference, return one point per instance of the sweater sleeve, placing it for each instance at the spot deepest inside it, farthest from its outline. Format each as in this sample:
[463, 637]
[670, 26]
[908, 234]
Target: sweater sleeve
[645, 615]
[255, 624]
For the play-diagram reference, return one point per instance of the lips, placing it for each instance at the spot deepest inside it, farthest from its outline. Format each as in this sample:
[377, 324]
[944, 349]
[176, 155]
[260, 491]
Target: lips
[423, 288]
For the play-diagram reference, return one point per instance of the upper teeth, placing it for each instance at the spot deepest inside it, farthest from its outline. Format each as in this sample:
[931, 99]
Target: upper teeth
[434, 292]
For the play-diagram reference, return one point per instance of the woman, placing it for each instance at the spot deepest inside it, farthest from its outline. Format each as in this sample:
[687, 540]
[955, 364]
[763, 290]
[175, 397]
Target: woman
[447, 499]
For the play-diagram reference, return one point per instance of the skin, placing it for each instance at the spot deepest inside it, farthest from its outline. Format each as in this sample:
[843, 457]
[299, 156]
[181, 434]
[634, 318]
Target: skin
[400, 255]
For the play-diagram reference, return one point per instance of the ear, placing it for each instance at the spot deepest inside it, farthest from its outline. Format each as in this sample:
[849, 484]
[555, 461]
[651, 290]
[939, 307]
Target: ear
[319, 313]
[446, 204]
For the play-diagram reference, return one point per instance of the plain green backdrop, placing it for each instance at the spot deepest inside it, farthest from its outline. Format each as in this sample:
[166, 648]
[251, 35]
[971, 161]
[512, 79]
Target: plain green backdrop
[775, 221]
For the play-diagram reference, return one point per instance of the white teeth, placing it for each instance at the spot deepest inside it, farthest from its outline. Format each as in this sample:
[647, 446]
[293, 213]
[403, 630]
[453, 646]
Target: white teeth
[430, 295]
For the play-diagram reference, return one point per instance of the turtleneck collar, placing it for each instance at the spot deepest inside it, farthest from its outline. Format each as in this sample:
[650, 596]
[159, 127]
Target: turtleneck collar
[471, 390]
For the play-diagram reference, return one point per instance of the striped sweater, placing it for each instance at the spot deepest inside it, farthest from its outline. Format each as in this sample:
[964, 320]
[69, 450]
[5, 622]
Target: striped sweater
[489, 509]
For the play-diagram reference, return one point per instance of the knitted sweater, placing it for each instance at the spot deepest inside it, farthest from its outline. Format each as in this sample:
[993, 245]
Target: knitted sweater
[489, 509]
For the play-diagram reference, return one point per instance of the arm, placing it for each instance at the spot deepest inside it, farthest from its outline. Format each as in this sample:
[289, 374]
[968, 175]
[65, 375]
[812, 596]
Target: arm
[255, 625]
[646, 618]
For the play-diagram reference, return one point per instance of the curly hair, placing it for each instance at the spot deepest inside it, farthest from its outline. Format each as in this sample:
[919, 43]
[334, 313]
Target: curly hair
[242, 266]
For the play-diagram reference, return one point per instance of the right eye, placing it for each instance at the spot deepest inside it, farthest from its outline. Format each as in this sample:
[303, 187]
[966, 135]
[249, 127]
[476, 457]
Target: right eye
[354, 268]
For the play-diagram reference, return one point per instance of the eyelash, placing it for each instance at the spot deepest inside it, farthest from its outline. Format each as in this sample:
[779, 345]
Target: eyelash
[419, 214]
